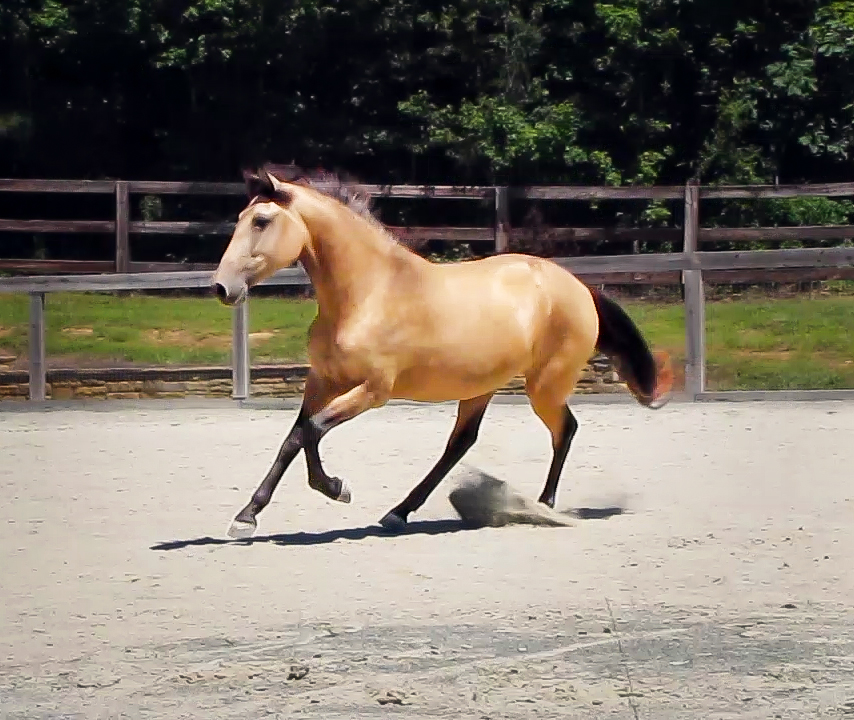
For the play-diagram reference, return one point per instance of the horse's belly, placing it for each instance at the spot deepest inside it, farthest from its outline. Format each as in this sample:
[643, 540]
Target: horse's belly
[456, 379]
[473, 352]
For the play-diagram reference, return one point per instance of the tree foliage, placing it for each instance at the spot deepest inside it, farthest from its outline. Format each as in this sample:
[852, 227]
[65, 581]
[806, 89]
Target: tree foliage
[489, 91]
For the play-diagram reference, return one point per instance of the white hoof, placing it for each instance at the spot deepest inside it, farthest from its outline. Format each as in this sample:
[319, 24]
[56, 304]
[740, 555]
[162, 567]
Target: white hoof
[241, 529]
[660, 401]
[392, 521]
[345, 495]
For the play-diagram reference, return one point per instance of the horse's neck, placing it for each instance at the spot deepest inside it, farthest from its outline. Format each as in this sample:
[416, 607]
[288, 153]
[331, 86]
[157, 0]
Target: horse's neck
[346, 259]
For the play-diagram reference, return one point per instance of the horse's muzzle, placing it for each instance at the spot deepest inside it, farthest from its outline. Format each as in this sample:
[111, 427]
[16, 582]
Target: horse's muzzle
[229, 295]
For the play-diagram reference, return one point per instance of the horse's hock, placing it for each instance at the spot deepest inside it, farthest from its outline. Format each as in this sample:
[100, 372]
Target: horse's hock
[133, 383]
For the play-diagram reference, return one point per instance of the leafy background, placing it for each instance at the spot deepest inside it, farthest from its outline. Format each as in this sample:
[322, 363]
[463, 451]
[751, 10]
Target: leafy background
[475, 91]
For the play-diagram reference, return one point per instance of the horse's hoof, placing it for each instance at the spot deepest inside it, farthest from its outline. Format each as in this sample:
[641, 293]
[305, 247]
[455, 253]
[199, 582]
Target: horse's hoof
[327, 488]
[242, 529]
[393, 522]
[660, 401]
[344, 495]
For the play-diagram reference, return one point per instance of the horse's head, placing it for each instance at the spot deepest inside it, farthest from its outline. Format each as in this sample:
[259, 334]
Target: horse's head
[269, 235]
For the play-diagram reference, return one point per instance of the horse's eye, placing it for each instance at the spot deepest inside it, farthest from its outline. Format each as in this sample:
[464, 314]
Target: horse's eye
[260, 222]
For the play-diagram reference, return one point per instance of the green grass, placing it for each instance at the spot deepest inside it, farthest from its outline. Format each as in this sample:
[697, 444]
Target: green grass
[99, 329]
[756, 343]
[803, 342]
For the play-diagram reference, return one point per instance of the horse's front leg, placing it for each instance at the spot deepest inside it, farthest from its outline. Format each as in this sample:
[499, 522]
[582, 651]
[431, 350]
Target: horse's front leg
[316, 394]
[367, 395]
[245, 522]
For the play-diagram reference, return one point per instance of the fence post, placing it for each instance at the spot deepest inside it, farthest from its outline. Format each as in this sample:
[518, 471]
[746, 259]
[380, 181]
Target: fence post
[37, 379]
[240, 351]
[122, 226]
[695, 303]
[502, 220]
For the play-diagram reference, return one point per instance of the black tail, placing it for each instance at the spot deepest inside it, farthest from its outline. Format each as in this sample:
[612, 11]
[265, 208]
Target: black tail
[649, 376]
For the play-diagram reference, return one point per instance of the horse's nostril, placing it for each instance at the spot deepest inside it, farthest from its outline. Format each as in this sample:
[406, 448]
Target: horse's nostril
[221, 292]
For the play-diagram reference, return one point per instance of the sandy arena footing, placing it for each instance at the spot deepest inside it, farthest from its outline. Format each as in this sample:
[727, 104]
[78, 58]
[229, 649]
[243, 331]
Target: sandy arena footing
[722, 591]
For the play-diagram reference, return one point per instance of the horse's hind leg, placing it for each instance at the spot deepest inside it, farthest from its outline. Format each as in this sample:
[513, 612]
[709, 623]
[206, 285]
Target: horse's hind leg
[463, 436]
[548, 392]
[561, 442]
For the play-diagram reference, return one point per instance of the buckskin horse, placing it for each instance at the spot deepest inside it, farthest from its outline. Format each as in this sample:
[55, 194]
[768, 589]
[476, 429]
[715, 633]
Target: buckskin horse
[392, 324]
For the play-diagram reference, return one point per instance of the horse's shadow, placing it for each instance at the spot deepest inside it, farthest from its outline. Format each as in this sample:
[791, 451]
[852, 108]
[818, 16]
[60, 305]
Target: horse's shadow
[418, 527]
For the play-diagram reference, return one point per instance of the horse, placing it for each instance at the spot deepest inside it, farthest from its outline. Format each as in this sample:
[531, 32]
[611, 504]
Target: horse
[391, 323]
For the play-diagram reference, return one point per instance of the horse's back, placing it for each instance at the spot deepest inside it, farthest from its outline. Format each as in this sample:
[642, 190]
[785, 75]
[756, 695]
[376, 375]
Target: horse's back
[525, 279]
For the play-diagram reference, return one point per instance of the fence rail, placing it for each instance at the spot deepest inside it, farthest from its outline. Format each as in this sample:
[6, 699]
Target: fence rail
[692, 267]
[501, 234]
[691, 263]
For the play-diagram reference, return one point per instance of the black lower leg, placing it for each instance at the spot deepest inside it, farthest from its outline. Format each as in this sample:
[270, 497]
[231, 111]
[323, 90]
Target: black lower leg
[458, 445]
[287, 452]
[561, 450]
[317, 477]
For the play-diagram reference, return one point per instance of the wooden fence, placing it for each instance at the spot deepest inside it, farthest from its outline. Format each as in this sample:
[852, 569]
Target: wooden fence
[692, 267]
[499, 235]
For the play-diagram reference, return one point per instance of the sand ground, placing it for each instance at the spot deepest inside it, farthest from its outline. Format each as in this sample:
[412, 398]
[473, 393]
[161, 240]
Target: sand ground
[726, 591]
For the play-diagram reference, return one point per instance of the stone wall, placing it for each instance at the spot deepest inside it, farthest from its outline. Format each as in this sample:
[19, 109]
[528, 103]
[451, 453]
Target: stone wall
[599, 377]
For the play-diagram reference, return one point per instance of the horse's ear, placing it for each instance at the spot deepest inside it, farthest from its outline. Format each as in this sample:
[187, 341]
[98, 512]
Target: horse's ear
[291, 173]
[257, 184]
[263, 185]
[275, 190]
